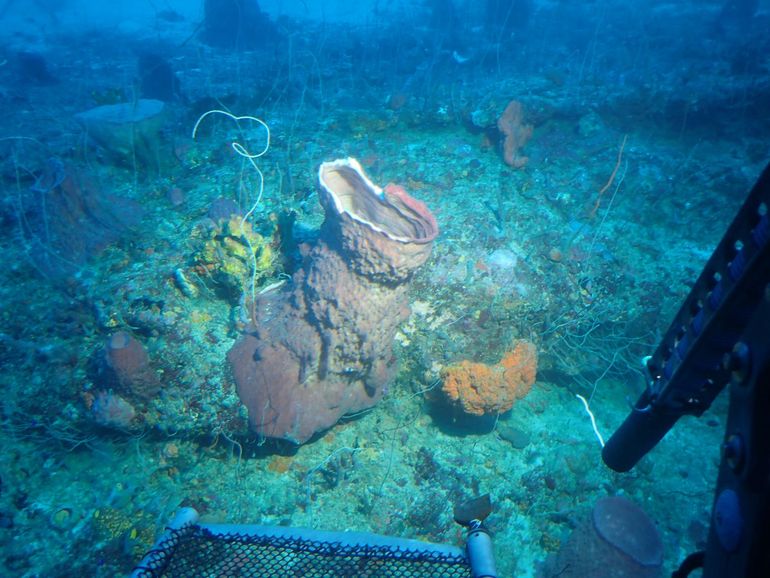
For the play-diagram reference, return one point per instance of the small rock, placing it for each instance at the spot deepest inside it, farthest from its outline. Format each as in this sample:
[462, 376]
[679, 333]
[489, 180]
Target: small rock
[518, 438]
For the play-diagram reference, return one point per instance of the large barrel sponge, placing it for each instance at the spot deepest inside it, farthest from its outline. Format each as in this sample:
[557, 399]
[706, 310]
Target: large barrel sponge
[321, 346]
[617, 540]
[626, 527]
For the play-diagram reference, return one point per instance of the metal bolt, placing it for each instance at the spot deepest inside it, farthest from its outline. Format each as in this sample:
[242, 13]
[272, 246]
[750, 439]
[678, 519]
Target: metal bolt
[733, 452]
[738, 362]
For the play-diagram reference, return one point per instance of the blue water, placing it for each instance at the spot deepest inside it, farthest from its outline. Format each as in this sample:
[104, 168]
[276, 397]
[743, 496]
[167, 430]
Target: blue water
[186, 322]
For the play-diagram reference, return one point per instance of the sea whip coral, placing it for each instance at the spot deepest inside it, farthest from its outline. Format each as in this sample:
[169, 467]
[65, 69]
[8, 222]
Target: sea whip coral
[322, 344]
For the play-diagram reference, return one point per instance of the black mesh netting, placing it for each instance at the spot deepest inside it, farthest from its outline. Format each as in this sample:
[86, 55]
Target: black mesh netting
[196, 552]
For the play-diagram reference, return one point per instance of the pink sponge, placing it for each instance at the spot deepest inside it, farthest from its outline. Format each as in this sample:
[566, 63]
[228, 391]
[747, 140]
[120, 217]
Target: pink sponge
[129, 367]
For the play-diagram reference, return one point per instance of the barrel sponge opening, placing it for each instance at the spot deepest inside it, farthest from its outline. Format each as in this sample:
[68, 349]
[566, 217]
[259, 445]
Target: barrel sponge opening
[626, 527]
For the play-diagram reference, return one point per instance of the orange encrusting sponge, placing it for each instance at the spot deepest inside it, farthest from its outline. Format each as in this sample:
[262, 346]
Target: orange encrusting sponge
[489, 389]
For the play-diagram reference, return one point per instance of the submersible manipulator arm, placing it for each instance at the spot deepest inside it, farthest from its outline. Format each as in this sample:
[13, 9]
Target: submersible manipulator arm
[720, 336]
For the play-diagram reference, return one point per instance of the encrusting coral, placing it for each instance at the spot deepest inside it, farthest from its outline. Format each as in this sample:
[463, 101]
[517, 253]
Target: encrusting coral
[480, 389]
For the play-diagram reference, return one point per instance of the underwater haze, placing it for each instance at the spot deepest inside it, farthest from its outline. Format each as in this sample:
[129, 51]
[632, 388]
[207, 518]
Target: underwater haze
[346, 265]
